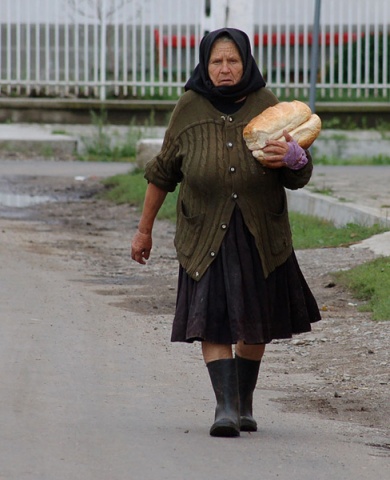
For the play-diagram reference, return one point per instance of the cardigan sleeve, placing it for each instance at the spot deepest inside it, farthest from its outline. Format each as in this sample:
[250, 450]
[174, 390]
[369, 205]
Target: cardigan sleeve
[295, 179]
[164, 170]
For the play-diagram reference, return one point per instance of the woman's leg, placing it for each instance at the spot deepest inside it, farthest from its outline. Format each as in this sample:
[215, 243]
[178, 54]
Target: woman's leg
[223, 374]
[248, 358]
[214, 351]
[250, 352]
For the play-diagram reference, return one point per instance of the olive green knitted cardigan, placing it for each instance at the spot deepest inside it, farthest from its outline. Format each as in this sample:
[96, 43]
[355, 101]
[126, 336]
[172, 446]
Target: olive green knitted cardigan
[205, 152]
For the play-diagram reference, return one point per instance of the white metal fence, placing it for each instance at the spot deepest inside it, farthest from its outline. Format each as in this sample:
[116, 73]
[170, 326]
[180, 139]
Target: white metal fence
[143, 48]
[354, 46]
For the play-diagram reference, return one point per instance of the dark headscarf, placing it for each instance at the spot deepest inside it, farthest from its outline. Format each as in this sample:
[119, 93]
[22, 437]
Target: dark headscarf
[251, 80]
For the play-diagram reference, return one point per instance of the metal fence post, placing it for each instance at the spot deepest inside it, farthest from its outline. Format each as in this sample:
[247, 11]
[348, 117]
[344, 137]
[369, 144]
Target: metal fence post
[314, 56]
[103, 48]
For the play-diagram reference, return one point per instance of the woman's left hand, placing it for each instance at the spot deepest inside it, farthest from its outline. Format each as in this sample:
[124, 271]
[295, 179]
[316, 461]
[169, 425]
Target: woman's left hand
[276, 151]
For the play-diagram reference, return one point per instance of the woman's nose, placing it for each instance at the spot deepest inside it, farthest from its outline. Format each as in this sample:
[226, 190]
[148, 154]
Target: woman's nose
[225, 67]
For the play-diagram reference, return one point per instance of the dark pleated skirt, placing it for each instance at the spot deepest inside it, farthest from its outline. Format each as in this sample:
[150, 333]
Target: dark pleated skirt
[233, 301]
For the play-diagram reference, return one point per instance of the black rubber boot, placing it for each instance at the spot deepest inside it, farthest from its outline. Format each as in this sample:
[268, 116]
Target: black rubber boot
[248, 372]
[223, 375]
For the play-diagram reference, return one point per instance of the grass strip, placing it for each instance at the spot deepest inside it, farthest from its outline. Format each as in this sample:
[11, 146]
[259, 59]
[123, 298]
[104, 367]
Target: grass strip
[370, 282]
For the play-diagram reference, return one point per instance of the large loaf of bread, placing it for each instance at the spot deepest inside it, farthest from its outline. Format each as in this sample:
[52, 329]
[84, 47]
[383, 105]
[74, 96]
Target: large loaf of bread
[295, 117]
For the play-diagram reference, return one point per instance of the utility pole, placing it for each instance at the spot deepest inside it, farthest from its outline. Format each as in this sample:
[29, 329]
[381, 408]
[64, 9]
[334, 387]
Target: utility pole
[314, 56]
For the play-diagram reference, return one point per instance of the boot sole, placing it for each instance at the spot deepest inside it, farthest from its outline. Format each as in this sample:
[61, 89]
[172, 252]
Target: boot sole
[248, 425]
[225, 429]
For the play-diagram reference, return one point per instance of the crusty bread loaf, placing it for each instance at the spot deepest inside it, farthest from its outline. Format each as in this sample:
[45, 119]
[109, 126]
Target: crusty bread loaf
[306, 133]
[295, 117]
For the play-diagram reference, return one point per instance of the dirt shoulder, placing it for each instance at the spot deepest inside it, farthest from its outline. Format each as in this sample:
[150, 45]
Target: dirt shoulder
[340, 370]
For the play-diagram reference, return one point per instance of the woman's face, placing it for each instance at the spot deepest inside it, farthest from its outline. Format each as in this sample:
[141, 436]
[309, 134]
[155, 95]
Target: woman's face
[225, 65]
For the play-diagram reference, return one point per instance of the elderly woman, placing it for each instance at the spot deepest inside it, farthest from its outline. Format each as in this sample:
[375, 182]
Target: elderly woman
[239, 281]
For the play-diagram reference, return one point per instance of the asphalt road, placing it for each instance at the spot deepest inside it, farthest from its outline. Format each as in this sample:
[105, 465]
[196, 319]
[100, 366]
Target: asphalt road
[83, 397]
[92, 392]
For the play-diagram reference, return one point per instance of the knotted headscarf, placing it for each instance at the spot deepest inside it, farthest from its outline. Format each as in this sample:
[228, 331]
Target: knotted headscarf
[251, 80]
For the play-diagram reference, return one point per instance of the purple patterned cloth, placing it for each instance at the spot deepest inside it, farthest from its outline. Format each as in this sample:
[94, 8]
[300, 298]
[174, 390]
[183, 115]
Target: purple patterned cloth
[295, 157]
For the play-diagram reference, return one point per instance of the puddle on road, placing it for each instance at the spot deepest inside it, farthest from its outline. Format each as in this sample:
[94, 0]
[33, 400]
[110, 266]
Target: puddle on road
[21, 200]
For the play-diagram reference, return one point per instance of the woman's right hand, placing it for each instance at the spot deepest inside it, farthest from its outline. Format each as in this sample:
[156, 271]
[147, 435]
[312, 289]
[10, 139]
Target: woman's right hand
[276, 151]
[142, 240]
[141, 247]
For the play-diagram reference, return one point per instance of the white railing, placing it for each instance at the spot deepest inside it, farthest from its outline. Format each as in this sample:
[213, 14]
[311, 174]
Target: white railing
[354, 46]
[147, 48]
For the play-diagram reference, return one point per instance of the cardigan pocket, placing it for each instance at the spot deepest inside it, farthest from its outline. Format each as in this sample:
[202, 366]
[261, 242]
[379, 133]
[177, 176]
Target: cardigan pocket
[279, 232]
[188, 229]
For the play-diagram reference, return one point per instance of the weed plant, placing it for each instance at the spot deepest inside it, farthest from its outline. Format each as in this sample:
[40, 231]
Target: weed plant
[107, 147]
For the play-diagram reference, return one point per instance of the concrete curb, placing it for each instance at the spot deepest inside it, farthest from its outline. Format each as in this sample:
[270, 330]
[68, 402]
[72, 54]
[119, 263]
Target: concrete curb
[30, 139]
[53, 146]
[331, 209]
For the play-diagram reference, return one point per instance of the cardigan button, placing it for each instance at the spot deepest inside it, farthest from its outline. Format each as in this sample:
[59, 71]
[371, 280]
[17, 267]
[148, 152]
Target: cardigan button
[232, 169]
[212, 254]
[230, 119]
[223, 226]
[235, 196]
[196, 274]
[229, 144]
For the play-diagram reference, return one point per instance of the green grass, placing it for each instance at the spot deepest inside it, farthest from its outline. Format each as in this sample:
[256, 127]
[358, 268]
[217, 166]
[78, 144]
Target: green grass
[370, 283]
[126, 188]
[59, 132]
[322, 191]
[354, 160]
[130, 188]
[47, 151]
[338, 95]
[314, 232]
